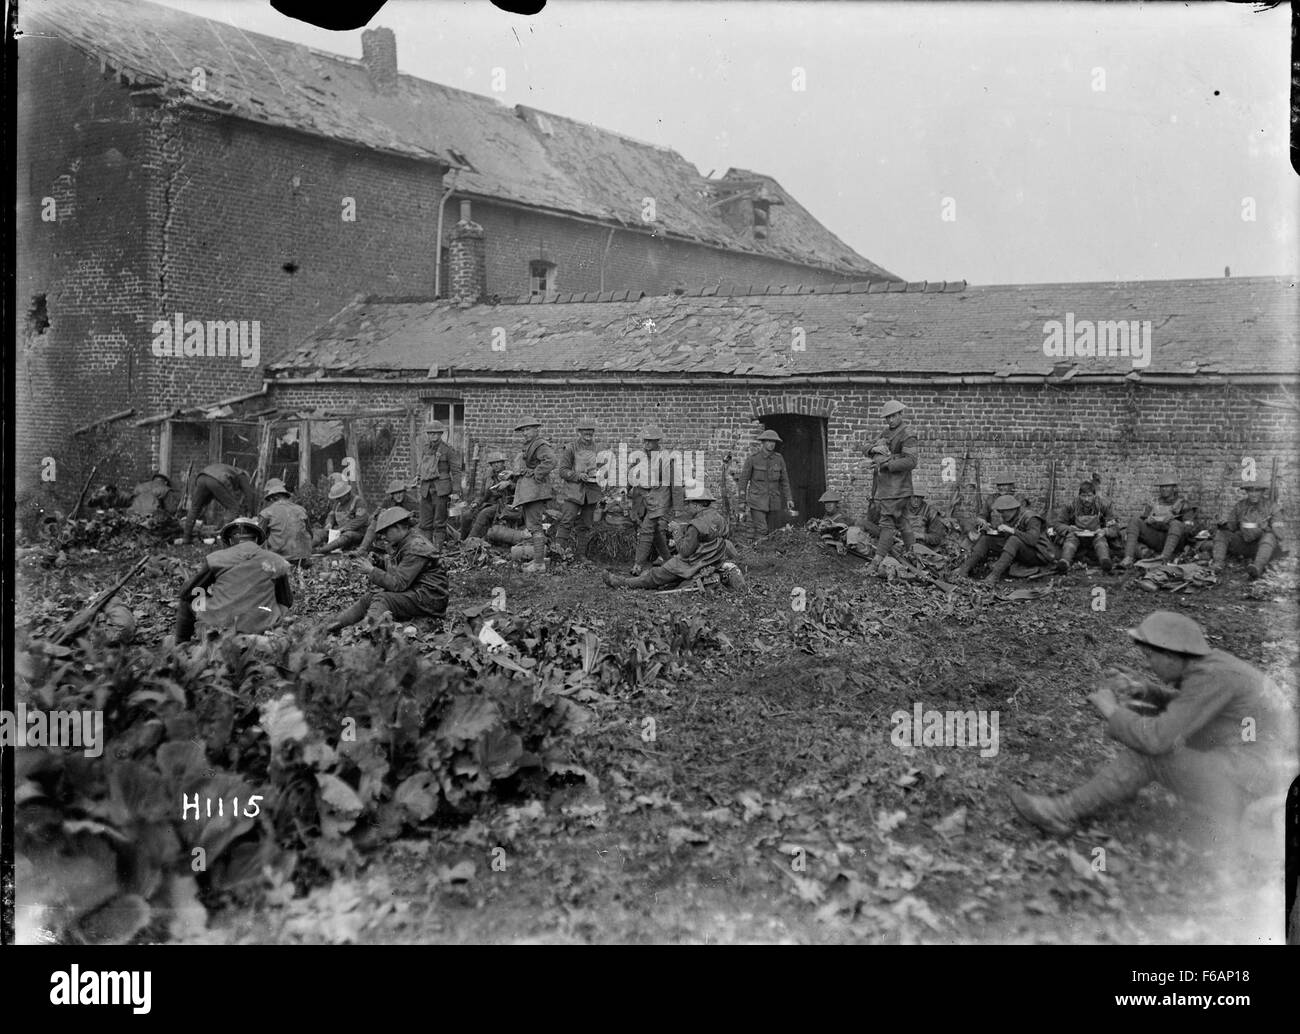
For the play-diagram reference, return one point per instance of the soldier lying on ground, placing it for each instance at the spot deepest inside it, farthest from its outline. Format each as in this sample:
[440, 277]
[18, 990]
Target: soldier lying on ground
[1225, 738]
[1018, 536]
[229, 486]
[288, 529]
[348, 516]
[701, 546]
[1161, 525]
[1083, 523]
[413, 583]
[1250, 530]
[242, 587]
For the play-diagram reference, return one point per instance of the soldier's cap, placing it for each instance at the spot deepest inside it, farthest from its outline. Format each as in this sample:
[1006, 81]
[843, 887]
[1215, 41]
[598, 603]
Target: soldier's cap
[274, 487]
[891, 407]
[339, 489]
[651, 433]
[769, 436]
[160, 474]
[244, 524]
[703, 494]
[830, 496]
[1166, 479]
[528, 421]
[1006, 502]
[586, 424]
[1175, 633]
[1248, 485]
[393, 515]
[435, 425]
[1004, 479]
[395, 486]
[496, 457]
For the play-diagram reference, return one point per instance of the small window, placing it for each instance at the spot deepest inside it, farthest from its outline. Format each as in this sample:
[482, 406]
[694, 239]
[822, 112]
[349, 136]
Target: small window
[541, 278]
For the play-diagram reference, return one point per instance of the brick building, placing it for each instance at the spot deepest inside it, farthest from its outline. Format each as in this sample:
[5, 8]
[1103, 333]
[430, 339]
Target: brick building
[1214, 386]
[170, 164]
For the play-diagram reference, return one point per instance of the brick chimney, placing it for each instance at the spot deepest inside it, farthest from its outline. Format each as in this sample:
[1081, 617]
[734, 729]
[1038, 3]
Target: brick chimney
[379, 55]
[467, 260]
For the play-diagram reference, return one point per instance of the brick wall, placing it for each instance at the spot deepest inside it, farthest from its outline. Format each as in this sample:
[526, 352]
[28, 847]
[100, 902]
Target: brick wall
[1125, 436]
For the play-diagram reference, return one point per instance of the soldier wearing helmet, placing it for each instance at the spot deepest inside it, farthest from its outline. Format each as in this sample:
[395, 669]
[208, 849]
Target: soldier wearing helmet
[926, 521]
[495, 499]
[764, 484]
[1198, 747]
[1004, 483]
[702, 546]
[241, 587]
[1082, 524]
[1019, 535]
[893, 457]
[579, 491]
[440, 480]
[533, 490]
[1161, 525]
[396, 493]
[413, 583]
[288, 528]
[1251, 530]
[657, 488]
[348, 515]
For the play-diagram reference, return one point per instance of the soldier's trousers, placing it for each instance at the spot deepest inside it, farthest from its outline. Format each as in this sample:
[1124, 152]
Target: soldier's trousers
[894, 524]
[655, 578]
[483, 520]
[763, 521]
[404, 606]
[651, 534]
[1166, 541]
[1009, 546]
[1097, 543]
[206, 490]
[433, 517]
[1233, 543]
[534, 515]
[584, 514]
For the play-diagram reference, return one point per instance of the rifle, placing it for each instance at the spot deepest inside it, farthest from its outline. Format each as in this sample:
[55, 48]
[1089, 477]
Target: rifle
[726, 495]
[83, 618]
[961, 482]
[473, 474]
[84, 488]
[1272, 482]
[1051, 491]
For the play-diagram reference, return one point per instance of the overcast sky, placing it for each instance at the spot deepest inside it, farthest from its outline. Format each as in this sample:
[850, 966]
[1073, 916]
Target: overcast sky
[1076, 142]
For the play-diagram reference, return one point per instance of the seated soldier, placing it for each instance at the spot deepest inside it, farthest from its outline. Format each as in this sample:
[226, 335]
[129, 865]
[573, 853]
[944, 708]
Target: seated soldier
[414, 584]
[288, 529]
[836, 516]
[701, 546]
[497, 496]
[109, 497]
[1196, 746]
[1018, 536]
[1083, 523]
[1005, 484]
[153, 498]
[1250, 530]
[348, 516]
[396, 493]
[927, 522]
[242, 587]
[1161, 525]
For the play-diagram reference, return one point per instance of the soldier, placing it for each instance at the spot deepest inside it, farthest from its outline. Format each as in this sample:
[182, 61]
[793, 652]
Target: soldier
[440, 474]
[288, 530]
[1018, 536]
[579, 492]
[652, 502]
[765, 484]
[893, 456]
[247, 587]
[927, 523]
[1084, 522]
[533, 490]
[224, 483]
[1253, 526]
[496, 497]
[1162, 524]
[1196, 747]
[413, 583]
[348, 515]
[1005, 484]
[396, 493]
[831, 501]
[154, 497]
[701, 544]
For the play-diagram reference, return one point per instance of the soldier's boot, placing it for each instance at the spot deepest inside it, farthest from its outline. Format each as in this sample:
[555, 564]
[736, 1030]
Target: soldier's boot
[1262, 556]
[538, 564]
[350, 616]
[1115, 782]
[909, 538]
[1102, 552]
[1173, 540]
[1219, 561]
[999, 569]
[1131, 542]
[883, 547]
[1067, 555]
[614, 581]
[661, 545]
[187, 531]
[644, 543]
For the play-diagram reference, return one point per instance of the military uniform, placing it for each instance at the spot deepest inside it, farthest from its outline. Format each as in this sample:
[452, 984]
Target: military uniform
[765, 486]
[1027, 543]
[439, 473]
[533, 490]
[926, 521]
[702, 544]
[653, 502]
[492, 505]
[893, 488]
[1161, 525]
[228, 486]
[350, 517]
[578, 497]
[412, 581]
[287, 531]
[243, 588]
[152, 498]
[1092, 514]
[1251, 529]
[405, 501]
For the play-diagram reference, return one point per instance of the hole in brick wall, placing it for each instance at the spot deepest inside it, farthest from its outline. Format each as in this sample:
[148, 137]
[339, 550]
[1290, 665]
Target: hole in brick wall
[290, 267]
[38, 316]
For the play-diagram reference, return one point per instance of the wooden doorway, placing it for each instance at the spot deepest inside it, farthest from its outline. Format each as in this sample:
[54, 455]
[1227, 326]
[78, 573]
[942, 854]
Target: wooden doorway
[803, 444]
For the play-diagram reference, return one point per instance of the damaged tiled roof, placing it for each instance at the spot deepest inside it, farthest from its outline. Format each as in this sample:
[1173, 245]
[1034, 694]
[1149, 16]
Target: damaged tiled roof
[1244, 325]
[519, 155]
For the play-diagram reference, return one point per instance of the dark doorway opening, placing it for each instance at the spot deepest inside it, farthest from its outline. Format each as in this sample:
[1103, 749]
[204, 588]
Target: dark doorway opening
[803, 444]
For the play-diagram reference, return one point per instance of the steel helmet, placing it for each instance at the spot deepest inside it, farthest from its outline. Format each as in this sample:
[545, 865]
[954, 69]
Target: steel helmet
[1166, 630]
[393, 515]
[274, 487]
[1166, 479]
[651, 433]
[496, 457]
[1004, 479]
[829, 496]
[1006, 502]
[585, 424]
[891, 407]
[1248, 485]
[769, 436]
[435, 425]
[244, 524]
[528, 421]
[340, 489]
[703, 494]
[395, 486]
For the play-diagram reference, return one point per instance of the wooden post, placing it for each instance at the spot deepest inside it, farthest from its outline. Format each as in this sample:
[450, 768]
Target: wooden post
[263, 453]
[304, 454]
[165, 448]
[350, 450]
[413, 459]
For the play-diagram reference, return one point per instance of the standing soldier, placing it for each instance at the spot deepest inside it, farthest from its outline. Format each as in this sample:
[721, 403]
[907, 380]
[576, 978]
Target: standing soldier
[926, 521]
[1253, 526]
[1020, 536]
[413, 583]
[893, 456]
[497, 494]
[228, 485]
[1084, 522]
[579, 493]
[440, 473]
[533, 490]
[652, 504]
[765, 484]
[395, 494]
[288, 529]
[348, 516]
[1161, 525]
